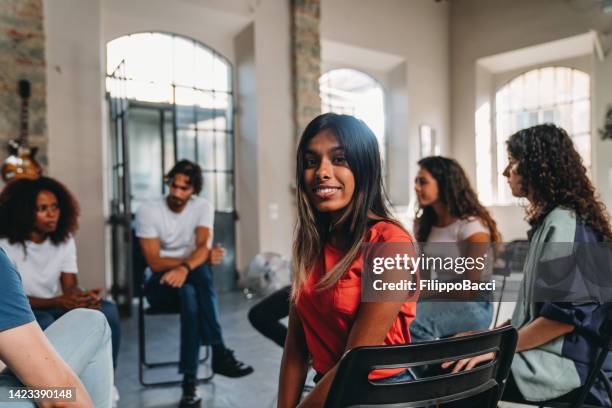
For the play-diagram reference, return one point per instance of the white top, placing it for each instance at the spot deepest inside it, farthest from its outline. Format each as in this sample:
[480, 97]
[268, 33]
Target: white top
[176, 231]
[454, 234]
[458, 231]
[41, 265]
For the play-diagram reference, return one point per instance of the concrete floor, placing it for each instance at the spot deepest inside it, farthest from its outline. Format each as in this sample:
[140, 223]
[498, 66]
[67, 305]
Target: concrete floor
[256, 390]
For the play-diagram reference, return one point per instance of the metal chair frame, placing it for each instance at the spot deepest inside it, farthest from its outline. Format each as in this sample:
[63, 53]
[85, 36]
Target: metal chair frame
[145, 365]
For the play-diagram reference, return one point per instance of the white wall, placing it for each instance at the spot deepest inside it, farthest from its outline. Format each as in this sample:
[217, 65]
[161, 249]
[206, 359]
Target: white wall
[417, 32]
[75, 91]
[247, 184]
[276, 144]
[480, 29]
[205, 21]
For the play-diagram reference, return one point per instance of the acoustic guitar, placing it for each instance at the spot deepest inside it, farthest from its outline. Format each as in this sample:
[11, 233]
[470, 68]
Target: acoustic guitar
[21, 162]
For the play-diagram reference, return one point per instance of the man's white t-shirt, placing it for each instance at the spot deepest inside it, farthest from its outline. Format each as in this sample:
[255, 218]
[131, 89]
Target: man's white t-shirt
[176, 231]
[41, 265]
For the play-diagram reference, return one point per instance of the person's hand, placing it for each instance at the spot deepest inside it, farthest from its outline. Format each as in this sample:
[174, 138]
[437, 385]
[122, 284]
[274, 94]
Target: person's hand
[72, 300]
[469, 332]
[216, 255]
[175, 277]
[93, 298]
[468, 363]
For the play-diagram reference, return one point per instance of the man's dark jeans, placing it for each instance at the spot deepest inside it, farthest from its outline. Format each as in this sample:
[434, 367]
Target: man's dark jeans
[197, 301]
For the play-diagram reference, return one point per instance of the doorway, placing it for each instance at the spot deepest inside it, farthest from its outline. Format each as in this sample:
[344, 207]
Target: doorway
[164, 109]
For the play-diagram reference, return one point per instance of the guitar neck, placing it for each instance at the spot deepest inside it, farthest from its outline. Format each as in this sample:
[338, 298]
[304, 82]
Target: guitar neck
[23, 132]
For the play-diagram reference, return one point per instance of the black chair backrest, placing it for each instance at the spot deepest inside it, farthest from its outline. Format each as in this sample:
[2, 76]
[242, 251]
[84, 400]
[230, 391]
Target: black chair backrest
[351, 386]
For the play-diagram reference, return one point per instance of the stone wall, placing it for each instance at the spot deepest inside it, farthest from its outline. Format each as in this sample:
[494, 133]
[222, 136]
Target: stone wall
[306, 58]
[22, 56]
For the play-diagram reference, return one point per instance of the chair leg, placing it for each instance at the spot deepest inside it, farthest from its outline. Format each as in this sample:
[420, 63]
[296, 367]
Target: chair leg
[499, 302]
[143, 364]
[141, 341]
[601, 358]
[201, 380]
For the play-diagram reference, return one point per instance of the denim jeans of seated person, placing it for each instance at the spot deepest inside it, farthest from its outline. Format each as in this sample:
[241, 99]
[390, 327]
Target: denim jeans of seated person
[436, 320]
[82, 338]
[46, 317]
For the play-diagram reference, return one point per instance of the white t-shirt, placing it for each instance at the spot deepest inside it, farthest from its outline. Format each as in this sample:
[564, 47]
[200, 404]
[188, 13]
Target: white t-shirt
[458, 231]
[454, 234]
[176, 231]
[41, 265]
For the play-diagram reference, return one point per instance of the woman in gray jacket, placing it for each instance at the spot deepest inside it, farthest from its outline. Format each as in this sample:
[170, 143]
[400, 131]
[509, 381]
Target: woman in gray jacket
[560, 308]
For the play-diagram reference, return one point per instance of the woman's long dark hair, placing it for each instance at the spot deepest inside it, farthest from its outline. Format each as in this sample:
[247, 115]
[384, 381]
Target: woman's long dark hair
[18, 209]
[553, 173]
[455, 193]
[313, 227]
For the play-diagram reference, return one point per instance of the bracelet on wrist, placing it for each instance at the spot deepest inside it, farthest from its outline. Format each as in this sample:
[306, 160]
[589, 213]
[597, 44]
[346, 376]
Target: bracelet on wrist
[186, 265]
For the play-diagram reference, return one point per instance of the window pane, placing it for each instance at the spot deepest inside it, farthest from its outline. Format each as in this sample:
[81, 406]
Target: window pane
[145, 154]
[168, 140]
[547, 86]
[221, 105]
[531, 89]
[516, 94]
[563, 85]
[209, 188]
[185, 144]
[548, 116]
[184, 61]
[582, 143]
[148, 91]
[206, 150]
[563, 98]
[204, 69]
[225, 191]
[204, 109]
[581, 117]
[351, 92]
[565, 116]
[222, 151]
[221, 74]
[581, 84]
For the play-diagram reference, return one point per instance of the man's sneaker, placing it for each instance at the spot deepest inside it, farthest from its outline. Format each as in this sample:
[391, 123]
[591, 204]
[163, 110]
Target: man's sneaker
[224, 363]
[190, 397]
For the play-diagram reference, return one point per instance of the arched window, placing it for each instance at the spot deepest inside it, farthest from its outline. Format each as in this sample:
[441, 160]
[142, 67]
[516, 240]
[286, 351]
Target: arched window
[557, 95]
[180, 107]
[352, 92]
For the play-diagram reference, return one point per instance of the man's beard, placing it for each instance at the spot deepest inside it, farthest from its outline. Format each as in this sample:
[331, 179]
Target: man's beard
[175, 202]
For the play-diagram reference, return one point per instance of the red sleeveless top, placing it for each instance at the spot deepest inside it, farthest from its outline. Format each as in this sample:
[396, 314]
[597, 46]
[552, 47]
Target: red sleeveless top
[327, 316]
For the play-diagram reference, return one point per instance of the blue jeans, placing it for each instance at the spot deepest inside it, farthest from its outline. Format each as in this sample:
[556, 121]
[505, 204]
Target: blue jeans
[46, 317]
[435, 320]
[83, 339]
[197, 302]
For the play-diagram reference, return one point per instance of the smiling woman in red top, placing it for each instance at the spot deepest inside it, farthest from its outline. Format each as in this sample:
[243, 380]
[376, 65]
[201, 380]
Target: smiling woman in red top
[341, 206]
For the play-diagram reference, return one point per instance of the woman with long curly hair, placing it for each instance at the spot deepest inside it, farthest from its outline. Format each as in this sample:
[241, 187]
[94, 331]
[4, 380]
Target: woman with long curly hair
[341, 206]
[451, 222]
[555, 350]
[38, 218]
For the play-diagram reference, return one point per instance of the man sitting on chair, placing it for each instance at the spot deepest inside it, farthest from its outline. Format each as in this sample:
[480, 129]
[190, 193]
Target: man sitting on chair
[175, 233]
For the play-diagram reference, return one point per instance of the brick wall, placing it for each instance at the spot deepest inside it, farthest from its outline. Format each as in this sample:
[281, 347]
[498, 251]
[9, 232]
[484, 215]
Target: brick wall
[22, 56]
[306, 57]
